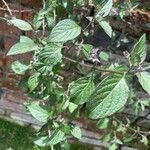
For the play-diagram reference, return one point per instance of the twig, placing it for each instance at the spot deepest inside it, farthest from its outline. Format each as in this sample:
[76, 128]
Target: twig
[90, 66]
[132, 129]
[14, 10]
[7, 7]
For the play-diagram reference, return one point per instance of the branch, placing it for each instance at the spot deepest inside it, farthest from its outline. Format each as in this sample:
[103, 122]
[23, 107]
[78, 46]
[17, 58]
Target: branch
[7, 7]
[90, 66]
[132, 129]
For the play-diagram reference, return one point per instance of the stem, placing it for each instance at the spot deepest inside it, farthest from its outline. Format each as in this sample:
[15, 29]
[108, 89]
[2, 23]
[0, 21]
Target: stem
[49, 134]
[132, 129]
[7, 7]
[90, 66]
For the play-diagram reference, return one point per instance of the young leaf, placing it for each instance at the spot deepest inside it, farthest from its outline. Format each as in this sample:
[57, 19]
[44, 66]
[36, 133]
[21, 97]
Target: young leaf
[18, 67]
[56, 137]
[64, 31]
[144, 140]
[109, 97]
[41, 141]
[25, 45]
[38, 112]
[144, 80]
[106, 27]
[51, 54]
[72, 107]
[103, 123]
[87, 49]
[81, 90]
[105, 9]
[33, 81]
[76, 132]
[139, 51]
[21, 24]
[104, 56]
[113, 147]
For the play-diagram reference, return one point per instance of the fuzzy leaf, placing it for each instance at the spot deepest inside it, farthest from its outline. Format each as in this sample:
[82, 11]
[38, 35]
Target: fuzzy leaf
[76, 132]
[144, 79]
[105, 9]
[21, 24]
[18, 67]
[81, 90]
[51, 54]
[109, 97]
[33, 81]
[139, 51]
[64, 31]
[106, 27]
[56, 137]
[38, 112]
[25, 45]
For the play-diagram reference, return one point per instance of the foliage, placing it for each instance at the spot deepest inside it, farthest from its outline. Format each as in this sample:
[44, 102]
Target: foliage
[104, 89]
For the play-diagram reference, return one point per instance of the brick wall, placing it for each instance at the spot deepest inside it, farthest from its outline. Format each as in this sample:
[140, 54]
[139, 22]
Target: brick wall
[12, 97]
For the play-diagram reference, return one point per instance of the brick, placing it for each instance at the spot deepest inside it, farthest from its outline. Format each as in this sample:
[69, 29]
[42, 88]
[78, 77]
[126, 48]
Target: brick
[2, 60]
[21, 57]
[13, 77]
[2, 111]
[11, 85]
[9, 30]
[12, 106]
[15, 96]
[8, 43]
[25, 118]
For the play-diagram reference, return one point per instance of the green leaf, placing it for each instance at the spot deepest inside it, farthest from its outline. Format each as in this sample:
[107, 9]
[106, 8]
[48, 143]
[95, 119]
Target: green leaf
[56, 137]
[76, 132]
[106, 27]
[139, 51]
[72, 107]
[144, 80]
[25, 45]
[64, 31]
[18, 67]
[109, 97]
[87, 49]
[113, 146]
[51, 54]
[104, 56]
[107, 137]
[105, 9]
[144, 140]
[38, 112]
[41, 141]
[81, 89]
[103, 123]
[21, 24]
[33, 81]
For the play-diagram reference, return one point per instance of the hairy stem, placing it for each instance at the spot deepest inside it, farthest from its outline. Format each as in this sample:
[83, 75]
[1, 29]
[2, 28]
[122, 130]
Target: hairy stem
[90, 66]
